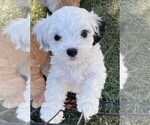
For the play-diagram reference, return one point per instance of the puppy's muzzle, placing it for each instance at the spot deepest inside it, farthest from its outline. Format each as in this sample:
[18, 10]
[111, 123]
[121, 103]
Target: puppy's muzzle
[72, 52]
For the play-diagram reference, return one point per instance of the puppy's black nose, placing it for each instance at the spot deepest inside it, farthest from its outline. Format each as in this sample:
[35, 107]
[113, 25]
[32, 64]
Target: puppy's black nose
[72, 52]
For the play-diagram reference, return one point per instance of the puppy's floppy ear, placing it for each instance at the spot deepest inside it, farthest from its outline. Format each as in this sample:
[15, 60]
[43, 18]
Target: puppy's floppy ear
[40, 30]
[98, 24]
[101, 28]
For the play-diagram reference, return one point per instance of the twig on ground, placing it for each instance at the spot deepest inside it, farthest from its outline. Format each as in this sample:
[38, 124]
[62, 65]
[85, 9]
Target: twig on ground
[53, 117]
[80, 119]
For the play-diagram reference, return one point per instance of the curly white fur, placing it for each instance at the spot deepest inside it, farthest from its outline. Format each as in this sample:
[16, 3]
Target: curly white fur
[84, 74]
[19, 32]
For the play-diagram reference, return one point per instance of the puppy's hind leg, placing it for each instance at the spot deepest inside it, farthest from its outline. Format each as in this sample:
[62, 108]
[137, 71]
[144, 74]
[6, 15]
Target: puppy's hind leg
[55, 96]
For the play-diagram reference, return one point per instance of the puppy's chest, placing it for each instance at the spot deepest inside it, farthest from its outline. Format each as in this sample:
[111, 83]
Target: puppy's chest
[76, 74]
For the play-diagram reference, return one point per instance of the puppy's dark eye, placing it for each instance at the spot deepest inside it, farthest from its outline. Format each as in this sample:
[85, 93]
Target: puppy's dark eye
[57, 37]
[84, 33]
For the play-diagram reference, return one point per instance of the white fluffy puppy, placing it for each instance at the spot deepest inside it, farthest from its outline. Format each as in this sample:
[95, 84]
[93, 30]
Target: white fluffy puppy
[71, 33]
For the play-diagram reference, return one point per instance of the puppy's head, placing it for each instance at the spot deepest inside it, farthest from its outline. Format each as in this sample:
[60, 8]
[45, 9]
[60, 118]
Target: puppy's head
[70, 33]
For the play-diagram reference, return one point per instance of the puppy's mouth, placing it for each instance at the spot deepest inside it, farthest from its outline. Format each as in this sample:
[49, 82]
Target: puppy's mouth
[73, 58]
[73, 61]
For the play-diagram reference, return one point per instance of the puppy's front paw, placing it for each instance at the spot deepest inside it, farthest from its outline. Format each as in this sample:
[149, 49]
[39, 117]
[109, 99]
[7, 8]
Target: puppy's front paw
[89, 108]
[48, 111]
